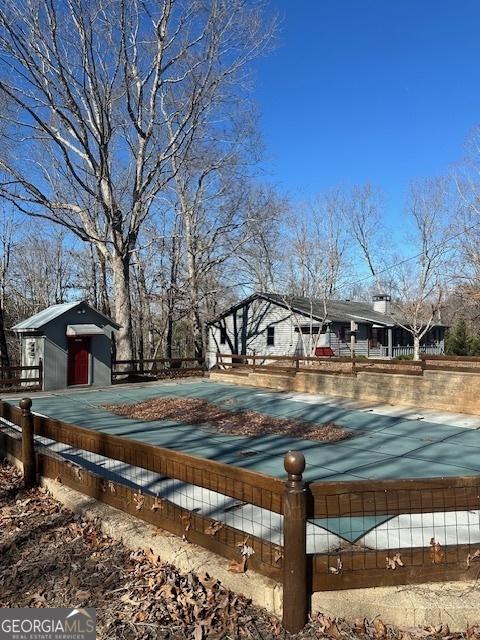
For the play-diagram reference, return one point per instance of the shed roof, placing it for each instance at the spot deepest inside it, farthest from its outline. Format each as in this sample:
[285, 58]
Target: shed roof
[40, 319]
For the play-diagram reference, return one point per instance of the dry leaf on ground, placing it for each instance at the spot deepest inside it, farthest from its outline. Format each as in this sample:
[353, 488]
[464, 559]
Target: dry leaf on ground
[242, 422]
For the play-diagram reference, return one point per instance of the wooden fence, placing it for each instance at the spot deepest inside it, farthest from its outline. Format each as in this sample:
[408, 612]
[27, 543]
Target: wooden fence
[16, 378]
[415, 550]
[290, 365]
[156, 368]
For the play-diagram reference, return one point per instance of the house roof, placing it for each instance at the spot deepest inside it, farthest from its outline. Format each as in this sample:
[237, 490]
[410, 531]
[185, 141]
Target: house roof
[337, 310]
[40, 319]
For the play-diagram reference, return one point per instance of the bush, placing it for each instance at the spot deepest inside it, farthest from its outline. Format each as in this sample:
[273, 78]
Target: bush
[403, 357]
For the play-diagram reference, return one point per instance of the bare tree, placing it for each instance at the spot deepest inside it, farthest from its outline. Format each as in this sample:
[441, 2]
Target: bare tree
[100, 96]
[318, 250]
[466, 226]
[363, 217]
[421, 280]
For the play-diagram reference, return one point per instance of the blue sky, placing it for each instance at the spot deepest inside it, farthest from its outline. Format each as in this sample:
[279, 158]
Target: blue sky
[368, 90]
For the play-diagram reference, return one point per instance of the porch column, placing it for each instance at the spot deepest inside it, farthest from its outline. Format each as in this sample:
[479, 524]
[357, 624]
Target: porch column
[390, 342]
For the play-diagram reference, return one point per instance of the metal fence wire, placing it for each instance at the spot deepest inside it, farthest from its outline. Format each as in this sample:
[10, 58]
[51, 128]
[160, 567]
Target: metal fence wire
[184, 498]
[378, 533]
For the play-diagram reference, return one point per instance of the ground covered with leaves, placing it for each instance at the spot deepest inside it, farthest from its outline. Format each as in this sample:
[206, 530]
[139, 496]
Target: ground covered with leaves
[238, 422]
[50, 557]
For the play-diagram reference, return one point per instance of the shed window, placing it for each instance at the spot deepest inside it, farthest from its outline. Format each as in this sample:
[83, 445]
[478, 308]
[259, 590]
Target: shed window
[223, 335]
[270, 336]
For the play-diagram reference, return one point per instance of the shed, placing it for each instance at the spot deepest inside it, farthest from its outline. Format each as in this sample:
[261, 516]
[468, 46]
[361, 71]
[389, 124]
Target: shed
[74, 342]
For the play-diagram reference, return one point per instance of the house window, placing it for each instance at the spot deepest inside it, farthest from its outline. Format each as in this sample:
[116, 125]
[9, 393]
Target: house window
[270, 336]
[223, 335]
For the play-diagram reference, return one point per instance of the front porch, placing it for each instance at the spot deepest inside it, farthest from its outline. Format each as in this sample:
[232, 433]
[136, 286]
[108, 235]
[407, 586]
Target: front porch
[371, 341]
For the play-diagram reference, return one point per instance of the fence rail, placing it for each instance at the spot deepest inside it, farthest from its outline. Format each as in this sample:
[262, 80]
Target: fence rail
[156, 368]
[309, 536]
[345, 366]
[19, 377]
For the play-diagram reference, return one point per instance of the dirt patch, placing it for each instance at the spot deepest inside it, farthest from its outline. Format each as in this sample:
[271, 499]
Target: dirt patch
[242, 422]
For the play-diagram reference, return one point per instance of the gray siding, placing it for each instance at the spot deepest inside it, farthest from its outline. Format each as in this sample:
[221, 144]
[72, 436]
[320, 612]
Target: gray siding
[52, 346]
[246, 332]
[101, 361]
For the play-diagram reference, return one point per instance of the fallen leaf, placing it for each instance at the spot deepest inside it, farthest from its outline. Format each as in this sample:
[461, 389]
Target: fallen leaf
[214, 527]
[277, 556]
[473, 632]
[152, 557]
[198, 632]
[359, 625]
[187, 521]
[333, 631]
[436, 553]
[338, 568]
[138, 500]
[380, 628]
[394, 562]
[472, 557]
[158, 503]
[38, 599]
[81, 595]
[140, 616]
[238, 567]
[168, 591]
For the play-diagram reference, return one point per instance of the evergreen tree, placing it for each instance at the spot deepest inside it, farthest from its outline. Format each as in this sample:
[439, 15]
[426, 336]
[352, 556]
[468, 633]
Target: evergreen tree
[457, 341]
[474, 345]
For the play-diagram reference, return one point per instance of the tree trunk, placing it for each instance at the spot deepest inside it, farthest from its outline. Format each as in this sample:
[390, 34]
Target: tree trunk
[197, 325]
[4, 357]
[123, 306]
[416, 348]
[103, 294]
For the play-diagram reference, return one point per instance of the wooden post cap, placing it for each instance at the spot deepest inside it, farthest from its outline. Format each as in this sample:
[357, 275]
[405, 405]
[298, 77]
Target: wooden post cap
[25, 404]
[294, 463]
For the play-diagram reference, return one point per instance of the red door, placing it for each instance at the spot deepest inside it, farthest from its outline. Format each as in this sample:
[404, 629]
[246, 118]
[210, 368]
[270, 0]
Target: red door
[78, 357]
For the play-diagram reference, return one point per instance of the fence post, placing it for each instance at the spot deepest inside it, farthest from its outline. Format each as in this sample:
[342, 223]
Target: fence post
[295, 545]
[28, 449]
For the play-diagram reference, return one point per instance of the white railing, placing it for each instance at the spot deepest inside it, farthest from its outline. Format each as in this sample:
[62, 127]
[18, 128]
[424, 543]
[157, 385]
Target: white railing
[434, 350]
